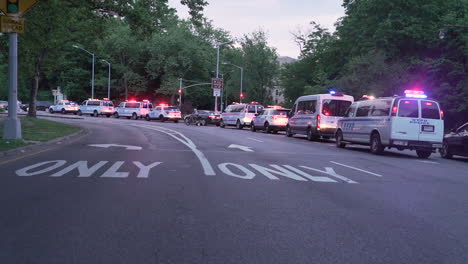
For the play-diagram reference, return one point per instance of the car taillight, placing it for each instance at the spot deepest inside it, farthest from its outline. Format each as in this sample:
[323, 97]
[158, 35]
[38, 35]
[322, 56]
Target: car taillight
[442, 114]
[394, 110]
[211, 116]
[318, 121]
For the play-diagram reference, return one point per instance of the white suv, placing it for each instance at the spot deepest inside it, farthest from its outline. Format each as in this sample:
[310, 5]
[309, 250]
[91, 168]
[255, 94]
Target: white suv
[64, 107]
[133, 109]
[165, 112]
[96, 107]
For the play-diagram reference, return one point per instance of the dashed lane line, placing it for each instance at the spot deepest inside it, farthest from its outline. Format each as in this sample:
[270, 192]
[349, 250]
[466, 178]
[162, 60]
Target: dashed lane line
[354, 168]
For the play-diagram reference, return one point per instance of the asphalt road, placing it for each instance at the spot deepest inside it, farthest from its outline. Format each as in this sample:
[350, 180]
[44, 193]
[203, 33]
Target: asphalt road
[186, 197]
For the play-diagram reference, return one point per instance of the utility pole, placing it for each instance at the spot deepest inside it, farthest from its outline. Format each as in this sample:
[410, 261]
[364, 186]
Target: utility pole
[92, 74]
[180, 92]
[218, 45]
[12, 126]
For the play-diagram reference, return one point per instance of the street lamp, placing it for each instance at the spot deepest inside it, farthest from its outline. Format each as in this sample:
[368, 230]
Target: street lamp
[92, 76]
[241, 95]
[218, 45]
[109, 81]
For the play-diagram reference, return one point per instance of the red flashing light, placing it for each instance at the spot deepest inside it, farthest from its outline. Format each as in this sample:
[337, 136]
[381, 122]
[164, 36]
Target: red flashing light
[429, 104]
[241, 95]
[146, 101]
[394, 110]
[105, 99]
[163, 104]
[132, 101]
[275, 106]
[180, 91]
[442, 114]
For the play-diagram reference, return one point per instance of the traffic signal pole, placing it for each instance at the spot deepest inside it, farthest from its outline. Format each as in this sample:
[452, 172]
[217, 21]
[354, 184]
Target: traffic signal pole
[12, 125]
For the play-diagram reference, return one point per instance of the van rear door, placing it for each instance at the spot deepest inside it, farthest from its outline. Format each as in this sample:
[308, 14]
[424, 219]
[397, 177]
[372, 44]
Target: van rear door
[432, 127]
[406, 125]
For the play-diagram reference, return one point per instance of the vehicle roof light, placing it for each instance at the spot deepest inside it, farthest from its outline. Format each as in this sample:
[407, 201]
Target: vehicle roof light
[163, 104]
[415, 94]
[105, 99]
[275, 106]
[146, 100]
[368, 97]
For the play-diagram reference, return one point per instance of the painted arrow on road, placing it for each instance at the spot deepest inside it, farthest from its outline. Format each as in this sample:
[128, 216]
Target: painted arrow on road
[127, 147]
[244, 148]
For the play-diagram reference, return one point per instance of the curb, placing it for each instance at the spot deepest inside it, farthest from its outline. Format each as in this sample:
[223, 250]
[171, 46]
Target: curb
[51, 116]
[34, 147]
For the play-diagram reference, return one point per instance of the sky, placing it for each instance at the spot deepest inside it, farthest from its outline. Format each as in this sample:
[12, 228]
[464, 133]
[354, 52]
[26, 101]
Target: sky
[278, 18]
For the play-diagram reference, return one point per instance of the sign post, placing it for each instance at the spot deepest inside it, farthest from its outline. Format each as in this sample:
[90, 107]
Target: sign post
[13, 24]
[217, 84]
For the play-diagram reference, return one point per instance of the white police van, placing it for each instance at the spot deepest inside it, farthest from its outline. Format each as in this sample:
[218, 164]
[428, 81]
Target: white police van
[96, 107]
[240, 115]
[133, 109]
[164, 112]
[271, 120]
[411, 122]
[317, 115]
[64, 106]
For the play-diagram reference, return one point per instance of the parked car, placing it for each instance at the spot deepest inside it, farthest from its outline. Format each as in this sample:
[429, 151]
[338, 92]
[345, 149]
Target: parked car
[4, 105]
[42, 105]
[133, 109]
[240, 115]
[205, 117]
[64, 106]
[412, 122]
[96, 107]
[455, 143]
[165, 112]
[271, 120]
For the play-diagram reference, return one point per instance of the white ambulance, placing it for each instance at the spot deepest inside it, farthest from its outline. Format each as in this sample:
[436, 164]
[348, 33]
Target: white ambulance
[133, 109]
[240, 115]
[96, 107]
[317, 115]
[411, 122]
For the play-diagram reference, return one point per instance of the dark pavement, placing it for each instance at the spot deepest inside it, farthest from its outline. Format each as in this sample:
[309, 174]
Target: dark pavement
[186, 197]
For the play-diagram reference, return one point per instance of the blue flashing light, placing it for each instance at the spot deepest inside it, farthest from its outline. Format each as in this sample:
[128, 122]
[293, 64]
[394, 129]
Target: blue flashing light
[415, 94]
[332, 92]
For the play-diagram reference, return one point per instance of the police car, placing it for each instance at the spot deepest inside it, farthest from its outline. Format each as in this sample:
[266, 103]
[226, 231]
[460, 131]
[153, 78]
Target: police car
[96, 107]
[133, 109]
[317, 115]
[271, 120]
[164, 112]
[64, 106]
[411, 122]
[240, 115]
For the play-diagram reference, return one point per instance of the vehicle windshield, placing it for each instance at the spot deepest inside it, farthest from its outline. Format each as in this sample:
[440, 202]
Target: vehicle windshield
[107, 103]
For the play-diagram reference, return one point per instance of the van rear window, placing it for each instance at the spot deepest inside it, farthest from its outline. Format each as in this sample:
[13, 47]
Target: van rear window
[408, 108]
[335, 107]
[430, 110]
[132, 105]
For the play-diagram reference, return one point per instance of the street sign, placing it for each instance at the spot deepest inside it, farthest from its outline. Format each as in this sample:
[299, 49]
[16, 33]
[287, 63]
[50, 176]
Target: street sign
[217, 83]
[11, 24]
[216, 92]
[16, 7]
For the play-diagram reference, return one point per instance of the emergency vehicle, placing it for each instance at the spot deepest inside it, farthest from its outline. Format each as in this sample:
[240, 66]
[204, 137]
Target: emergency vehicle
[317, 115]
[411, 122]
[64, 106]
[164, 112]
[96, 107]
[271, 120]
[240, 115]
[133, 109]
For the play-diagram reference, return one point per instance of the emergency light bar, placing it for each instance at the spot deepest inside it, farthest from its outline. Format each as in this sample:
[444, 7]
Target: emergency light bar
[415, 94]
[275, 106]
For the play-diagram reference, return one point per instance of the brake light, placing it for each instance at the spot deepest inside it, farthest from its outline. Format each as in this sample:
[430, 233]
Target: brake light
[211, 116]
[442, 114]
[318, 121]
[394, 110]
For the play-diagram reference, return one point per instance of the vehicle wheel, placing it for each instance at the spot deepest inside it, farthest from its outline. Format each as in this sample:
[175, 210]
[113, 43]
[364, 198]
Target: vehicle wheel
[116, 115]
[187, 121]
[289, 132]
[95, 113]
[423, 154]
[252, 127]
[63, 111]
[128, 117]
[147, 118]
[203, 122]
[176, 121]
[161, 118]
[74, 113]
[339, 140]
[267, 128]
[134, 116]
[239, 125]
[445, 151]
[108, 116]
[376, 145]
[221, 124]
[80, 113]
[51, 111]
[310, 135]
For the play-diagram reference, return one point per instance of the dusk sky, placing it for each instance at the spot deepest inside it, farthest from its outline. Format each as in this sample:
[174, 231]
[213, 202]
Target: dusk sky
[276, 17]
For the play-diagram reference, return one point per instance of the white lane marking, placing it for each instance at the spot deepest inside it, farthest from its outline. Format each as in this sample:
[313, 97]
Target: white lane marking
[248, 174]
[145, 170]
[25, 171]
[255, 140]
[310, 177]
[127, 147]
[354, 168]
[279, 171]
[207, 168]
[82, 167]
[330, 172]
[428, 162]
[244, 148]
[113, 171]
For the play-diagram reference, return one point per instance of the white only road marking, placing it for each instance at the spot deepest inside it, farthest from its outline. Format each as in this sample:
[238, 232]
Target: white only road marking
[247, 174]
[82, 167]
[279, 171]
[127, 147]
[26, 171]
[207, 168]
[255, 139]
[312, 178]
[330, 172]
[354, 168]
[244, 148]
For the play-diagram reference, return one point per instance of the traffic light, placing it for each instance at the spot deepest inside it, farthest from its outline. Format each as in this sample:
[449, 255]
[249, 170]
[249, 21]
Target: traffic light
[12, 6]
[241, 95]
[180, 91]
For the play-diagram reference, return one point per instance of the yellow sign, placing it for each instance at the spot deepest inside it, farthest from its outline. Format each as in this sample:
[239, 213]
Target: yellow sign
[11, 24]
[17, 7]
